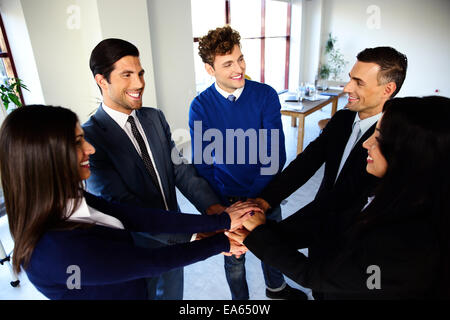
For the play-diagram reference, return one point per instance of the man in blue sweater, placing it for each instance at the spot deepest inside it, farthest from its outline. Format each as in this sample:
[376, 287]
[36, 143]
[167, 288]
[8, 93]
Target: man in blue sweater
[238, 144]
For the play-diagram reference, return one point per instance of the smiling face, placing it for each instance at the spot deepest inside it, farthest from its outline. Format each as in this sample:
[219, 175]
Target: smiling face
[365, 95]
[376, 162]
[123, 92]
[84, 150]
[229, 70]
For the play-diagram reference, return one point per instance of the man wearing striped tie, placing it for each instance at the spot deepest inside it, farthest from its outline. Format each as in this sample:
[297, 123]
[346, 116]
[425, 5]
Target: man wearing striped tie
[133, 160]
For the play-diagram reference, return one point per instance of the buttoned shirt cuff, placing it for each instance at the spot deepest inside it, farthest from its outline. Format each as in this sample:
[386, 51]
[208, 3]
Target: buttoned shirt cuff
[193, 237]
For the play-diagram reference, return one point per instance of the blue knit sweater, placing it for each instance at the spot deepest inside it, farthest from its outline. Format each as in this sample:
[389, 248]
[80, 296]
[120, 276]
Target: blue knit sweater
[236, 169]
[110, 265]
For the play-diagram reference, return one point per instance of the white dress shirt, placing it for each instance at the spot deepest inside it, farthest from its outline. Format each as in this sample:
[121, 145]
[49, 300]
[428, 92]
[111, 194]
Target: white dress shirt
[367, 123]
[122, 120]
[237, 93]
[87, 214]
[362, 126]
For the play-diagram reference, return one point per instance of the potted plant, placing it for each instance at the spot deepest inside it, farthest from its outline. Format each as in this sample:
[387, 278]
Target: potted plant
[324, 74]
[9, 94]
[335, 60]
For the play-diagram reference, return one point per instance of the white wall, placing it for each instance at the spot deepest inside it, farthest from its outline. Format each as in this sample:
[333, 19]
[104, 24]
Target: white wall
[173, 57]
[310, 42]
[418, 28]
[129, 20]
[62, 53]
[60, 42]
[295, 52]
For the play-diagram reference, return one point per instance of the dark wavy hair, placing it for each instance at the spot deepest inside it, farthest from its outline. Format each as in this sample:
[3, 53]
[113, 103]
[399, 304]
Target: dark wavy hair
[219, 41]
[393, 65]
[415, 140]
[39, 174]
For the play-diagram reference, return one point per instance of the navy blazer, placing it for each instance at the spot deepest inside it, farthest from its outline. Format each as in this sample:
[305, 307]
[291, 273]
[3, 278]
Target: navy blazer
[327, 149]
[118, 172]
[109, 265]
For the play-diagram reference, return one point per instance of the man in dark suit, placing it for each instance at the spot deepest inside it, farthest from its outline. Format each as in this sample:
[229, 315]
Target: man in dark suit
[377, 76]
[133, 162]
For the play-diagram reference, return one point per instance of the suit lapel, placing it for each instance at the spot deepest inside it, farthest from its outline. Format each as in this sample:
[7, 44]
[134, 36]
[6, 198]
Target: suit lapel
[124, 151]
[341, 137]
[357, 153]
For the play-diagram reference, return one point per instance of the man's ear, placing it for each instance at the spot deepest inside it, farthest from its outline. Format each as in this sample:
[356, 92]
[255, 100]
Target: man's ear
[101, 81]
[210, 69]
[389, 89]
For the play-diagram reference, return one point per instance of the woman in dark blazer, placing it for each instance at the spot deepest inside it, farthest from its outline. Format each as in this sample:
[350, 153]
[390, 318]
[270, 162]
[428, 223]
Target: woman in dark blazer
[72, 244]
[392, 243]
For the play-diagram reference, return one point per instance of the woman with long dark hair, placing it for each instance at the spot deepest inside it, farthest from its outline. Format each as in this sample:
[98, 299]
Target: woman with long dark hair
[72, 244]
[390, 244]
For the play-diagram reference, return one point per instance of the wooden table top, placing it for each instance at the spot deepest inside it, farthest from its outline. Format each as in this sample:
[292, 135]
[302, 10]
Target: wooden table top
[306, 106]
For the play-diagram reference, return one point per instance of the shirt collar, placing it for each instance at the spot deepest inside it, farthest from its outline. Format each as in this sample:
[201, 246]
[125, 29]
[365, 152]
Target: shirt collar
[225, 94]
[368, 122]
[119, 117]
[82, 210]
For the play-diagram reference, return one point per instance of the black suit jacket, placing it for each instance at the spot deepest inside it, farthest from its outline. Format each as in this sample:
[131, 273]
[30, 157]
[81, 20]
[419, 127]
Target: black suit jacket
[404, 248]
[119, 174]
[326, 149]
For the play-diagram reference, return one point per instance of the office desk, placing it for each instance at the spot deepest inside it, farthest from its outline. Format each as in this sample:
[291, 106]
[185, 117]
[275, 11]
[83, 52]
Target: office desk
[299, 110]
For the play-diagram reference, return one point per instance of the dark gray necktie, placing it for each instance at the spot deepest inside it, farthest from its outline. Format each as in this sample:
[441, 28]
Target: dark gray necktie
[144, 154]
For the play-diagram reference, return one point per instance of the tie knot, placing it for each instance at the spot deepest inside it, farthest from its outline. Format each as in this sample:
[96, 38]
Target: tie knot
[131, 120]
[231, 98]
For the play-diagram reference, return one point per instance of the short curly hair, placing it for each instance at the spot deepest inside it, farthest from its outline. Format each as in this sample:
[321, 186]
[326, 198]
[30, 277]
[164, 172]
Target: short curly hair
[219, 41]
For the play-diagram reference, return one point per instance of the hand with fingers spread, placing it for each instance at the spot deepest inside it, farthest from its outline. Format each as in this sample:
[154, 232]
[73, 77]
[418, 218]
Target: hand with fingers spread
[240, 212]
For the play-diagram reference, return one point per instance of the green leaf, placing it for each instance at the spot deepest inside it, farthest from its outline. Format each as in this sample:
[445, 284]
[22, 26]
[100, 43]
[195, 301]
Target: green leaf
[15, 99]
[5, 101]
[24, 87]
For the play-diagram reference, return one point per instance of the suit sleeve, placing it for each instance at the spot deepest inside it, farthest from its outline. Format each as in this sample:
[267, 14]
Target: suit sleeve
[105, 181]
[106, 260]
[156, 220]
[276, 150]
[191, 184]
[403, 263]
[301, 169]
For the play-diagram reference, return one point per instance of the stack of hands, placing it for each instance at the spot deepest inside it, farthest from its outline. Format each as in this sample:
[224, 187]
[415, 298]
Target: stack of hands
[245, 216]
